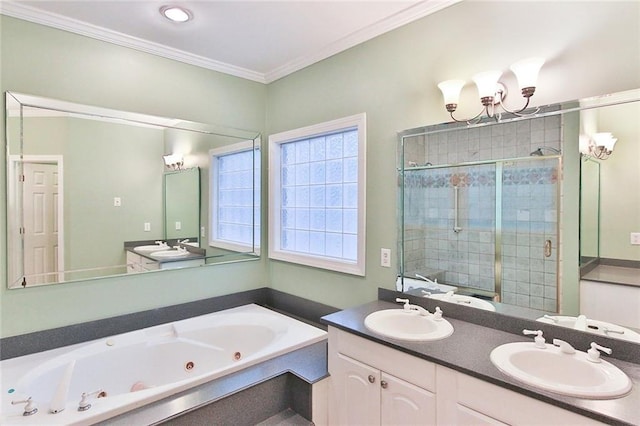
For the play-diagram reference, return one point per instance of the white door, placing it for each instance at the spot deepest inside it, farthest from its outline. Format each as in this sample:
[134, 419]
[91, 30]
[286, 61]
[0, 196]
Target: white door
[357, 388]
[406, 404]
[41, 213]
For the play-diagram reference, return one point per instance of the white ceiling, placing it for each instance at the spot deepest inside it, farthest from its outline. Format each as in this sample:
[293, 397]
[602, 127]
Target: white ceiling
[259, 40]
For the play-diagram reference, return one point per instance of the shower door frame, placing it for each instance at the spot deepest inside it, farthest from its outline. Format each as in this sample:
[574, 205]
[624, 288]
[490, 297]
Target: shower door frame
[499, 169]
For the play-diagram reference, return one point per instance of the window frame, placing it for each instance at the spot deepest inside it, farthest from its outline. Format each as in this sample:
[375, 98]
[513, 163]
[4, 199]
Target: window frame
[275, 251]
[244, 146]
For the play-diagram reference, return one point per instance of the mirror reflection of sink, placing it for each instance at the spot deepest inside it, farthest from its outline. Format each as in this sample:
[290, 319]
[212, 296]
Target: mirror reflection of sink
[601, 328]
[408, 325]
[567, 374]
[150, 248]
[168, 254]
[461, 299]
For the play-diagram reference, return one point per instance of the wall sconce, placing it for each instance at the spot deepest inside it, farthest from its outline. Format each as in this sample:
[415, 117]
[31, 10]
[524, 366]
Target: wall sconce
[492, 92]
[599, 145]
[173, 161]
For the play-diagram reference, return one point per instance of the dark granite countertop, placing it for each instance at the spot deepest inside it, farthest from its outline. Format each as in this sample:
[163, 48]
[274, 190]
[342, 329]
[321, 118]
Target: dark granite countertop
[468, 349]
[194, 252]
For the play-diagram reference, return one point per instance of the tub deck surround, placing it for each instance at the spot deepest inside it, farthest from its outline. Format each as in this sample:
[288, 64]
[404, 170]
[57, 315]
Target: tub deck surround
[467, 350]
[39, 341]
[308, 363]
[146, 365]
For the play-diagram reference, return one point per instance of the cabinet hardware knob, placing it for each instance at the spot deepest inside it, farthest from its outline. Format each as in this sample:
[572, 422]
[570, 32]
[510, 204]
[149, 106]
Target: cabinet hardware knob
[371, 378]
[384, 384]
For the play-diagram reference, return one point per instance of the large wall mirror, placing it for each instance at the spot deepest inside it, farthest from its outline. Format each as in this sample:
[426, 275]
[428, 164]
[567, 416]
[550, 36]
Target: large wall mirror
[486, 210]
[94, 192]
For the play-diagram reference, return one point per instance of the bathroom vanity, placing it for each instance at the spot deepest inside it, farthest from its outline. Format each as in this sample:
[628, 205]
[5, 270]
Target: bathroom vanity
[378, 380]
[142, 261]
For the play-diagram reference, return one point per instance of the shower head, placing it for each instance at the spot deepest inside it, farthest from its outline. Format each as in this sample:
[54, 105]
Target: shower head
[538, 152]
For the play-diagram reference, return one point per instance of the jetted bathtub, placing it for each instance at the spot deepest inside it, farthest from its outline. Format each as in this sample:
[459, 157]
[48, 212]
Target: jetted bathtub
[126, 371]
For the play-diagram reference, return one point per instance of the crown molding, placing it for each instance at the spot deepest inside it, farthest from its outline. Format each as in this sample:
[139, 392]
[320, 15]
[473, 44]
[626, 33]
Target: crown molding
[392, 22]
[20, 11]
[27, 13]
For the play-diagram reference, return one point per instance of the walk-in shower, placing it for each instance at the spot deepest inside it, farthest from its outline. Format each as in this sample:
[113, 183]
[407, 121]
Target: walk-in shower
[479, 212]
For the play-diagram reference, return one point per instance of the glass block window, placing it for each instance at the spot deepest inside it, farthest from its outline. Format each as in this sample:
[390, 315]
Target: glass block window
[317, 194]
[235, 197]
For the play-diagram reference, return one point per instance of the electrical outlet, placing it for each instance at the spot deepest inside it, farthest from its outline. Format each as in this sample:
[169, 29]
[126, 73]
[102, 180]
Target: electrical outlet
[147, 226]
[117, 202]
[178, 226]
[635, 238]
[385, 257]
[202, 231]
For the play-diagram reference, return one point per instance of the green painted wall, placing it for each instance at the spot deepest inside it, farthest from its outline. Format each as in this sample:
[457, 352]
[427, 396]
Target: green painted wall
[38, 60]
[620, 183]
[393, 79]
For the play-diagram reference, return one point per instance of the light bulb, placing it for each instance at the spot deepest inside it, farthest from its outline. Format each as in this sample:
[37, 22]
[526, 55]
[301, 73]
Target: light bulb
[526, 72]
[451, 92]
[175, 13]
[487, 83]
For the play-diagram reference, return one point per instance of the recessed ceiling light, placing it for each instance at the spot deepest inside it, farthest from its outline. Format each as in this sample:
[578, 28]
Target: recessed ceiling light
[176, 13]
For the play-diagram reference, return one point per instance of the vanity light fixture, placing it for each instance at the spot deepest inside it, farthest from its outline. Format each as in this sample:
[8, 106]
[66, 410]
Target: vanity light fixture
[173, 161]
[176, 13]
[492, 92]
[599, 145]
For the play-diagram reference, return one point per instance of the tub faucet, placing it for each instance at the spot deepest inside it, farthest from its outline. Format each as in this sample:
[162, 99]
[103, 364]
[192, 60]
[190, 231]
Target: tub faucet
[59, 400]
[30, 407]
[423, 278]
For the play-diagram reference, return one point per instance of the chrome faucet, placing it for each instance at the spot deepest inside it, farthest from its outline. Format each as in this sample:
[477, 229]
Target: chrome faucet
[409, 307]
[30, 407]
[565, 347]
[186, 240]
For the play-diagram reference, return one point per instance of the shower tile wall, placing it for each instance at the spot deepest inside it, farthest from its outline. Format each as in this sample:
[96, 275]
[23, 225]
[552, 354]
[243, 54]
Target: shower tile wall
[529, 214]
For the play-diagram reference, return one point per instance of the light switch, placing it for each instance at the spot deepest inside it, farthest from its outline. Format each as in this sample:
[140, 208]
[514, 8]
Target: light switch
[147, 226]
[202, 231]
[635, 238]
[385, 257]
[117, 202]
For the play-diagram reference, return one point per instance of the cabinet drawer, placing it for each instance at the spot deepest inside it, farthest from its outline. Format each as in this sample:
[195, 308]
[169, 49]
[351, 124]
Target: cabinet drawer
[406, 367]
[512, 407]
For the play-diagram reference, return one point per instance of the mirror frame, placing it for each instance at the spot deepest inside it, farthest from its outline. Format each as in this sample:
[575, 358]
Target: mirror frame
[620, 98]
[19, 101]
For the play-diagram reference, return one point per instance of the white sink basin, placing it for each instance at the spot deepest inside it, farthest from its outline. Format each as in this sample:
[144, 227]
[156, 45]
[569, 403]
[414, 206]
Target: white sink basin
[601, 328]
[552, 370]
[150, 248]
[169, 254]
[408, 325]
[474, 302]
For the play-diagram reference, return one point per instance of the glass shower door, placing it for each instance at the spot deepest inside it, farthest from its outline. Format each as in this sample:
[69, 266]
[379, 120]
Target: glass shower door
[528, 238]
[449, 225]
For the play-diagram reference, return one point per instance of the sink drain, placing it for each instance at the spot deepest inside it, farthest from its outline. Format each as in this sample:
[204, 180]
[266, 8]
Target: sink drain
[189, 366]
[237, 356]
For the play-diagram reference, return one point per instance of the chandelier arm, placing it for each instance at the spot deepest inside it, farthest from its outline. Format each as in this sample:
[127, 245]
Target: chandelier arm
[518, 112]
[470, 120]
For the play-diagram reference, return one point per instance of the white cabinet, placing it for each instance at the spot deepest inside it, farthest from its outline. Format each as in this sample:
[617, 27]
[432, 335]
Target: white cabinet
[372, 384]
[137, 263]
[464, 400]
[618, 304]
[377, 388]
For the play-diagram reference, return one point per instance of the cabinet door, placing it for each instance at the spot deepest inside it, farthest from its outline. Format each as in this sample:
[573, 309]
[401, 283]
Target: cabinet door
[357, 388]
[405, 404]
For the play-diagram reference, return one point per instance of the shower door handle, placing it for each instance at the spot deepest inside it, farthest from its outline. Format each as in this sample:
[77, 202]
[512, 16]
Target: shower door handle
[547, 248]
[456, 228]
